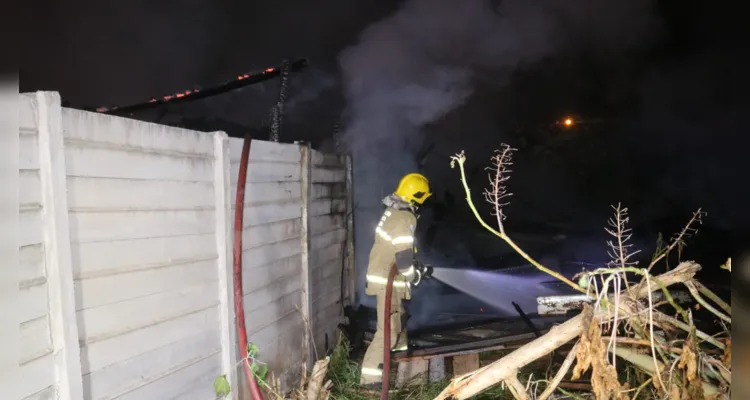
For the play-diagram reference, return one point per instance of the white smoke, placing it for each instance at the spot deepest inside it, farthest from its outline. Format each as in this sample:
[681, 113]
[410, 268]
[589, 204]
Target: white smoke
[415, 66]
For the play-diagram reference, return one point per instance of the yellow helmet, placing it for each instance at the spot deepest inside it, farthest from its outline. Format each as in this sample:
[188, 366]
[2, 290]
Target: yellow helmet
[414, 188]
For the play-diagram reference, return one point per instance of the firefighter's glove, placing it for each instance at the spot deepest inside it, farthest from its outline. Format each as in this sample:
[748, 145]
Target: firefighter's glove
[421, 272]
[427, 272]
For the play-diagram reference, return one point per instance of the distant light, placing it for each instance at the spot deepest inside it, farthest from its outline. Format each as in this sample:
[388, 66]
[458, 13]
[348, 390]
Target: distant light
[568, 122]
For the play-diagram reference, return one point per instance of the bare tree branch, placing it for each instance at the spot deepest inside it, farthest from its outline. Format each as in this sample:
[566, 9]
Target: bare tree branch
[560, 374]
[678, 240]
[497, 192]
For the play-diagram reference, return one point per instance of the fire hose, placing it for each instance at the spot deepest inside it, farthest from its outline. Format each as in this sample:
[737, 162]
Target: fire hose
[387, 325]
[237, 272]
[387, 332]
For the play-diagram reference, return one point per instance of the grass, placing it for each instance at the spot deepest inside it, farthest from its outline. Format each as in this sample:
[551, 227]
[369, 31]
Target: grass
[344, 373]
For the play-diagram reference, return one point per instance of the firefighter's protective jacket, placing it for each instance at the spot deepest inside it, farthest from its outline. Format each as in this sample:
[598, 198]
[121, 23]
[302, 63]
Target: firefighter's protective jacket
[394, 234]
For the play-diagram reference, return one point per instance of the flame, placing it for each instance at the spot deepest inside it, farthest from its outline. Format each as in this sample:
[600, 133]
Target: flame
[181, 94]
[568, 122]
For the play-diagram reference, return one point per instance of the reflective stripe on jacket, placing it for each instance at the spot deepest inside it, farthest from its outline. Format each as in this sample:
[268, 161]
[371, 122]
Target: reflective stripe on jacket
[394, 233]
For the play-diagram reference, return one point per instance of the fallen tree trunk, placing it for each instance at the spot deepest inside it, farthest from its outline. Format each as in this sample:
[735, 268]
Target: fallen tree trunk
[468, 385]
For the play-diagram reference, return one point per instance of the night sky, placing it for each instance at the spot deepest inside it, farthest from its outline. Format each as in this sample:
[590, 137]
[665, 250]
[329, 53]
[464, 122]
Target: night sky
[659, 89]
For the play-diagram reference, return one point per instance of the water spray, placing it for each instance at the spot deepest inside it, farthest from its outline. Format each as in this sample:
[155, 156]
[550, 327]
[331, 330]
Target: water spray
[496, 288]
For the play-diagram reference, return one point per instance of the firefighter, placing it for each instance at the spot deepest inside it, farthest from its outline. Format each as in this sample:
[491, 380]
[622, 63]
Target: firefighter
[394, 244]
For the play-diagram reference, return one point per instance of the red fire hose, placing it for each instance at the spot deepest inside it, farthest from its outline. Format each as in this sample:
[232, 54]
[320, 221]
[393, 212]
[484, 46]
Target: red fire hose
[387, 333]
[239, 310]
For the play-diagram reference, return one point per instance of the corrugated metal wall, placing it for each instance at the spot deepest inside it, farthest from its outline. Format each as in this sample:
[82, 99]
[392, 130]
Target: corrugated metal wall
[126, 284]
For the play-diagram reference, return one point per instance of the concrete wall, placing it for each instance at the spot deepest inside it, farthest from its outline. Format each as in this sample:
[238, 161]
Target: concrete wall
[126, 264]
[44, 348]
[272, 254]
[328, 240]
[145, 251]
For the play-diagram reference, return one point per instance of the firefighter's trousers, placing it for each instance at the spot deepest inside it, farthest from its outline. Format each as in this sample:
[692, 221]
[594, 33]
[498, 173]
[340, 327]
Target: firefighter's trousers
[372, 365]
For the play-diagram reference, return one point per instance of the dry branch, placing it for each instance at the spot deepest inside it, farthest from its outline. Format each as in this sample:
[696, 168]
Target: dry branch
[713, 297]
[614, 310]
[461, 159]
[679, 239]
[646, 364]
[315, 387]
[560, 374]
[471, 384]
[517, 388]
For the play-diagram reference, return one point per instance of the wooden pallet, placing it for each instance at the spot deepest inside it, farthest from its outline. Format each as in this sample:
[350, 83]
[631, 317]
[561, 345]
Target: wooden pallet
[417, 366]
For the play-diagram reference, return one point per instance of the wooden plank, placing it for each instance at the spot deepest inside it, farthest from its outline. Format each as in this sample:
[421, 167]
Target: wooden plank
[412, 373]
[464, 348]
[465, 363]
[437, 369]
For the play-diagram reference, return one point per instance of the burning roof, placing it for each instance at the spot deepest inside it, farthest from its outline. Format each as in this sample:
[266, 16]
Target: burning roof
[240, 81]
